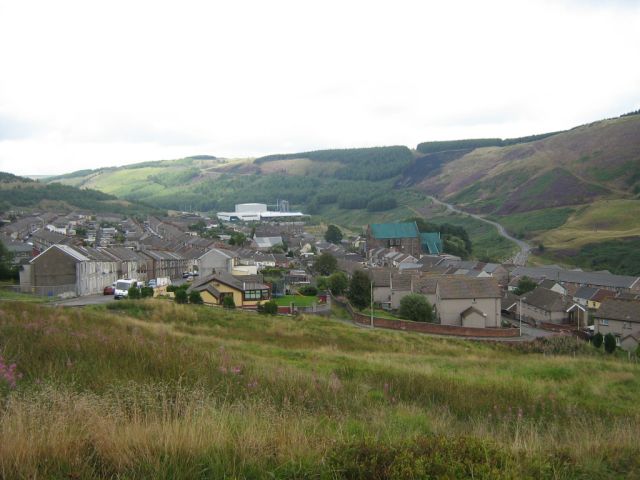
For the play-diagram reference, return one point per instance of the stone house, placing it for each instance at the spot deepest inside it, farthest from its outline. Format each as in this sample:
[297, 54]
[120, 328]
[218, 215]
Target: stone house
[542, 305]
[468, 302]
[620, 318]
[66, 270]
[402, 237]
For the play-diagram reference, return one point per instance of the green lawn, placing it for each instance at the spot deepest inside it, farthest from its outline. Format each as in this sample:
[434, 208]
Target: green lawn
[298, 300]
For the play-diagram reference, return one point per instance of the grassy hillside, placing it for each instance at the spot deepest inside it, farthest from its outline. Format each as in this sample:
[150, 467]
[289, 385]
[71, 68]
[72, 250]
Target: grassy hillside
[155, 390]
[18, 193]
[564, 191]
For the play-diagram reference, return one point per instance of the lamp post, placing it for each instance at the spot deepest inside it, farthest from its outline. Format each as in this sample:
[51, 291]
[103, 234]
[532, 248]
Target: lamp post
[520, 312]
[371, 303]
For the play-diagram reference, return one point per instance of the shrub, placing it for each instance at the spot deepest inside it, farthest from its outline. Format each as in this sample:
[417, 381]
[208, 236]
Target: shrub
[134, 293]
[146, 292]
[181, 295]
[195, 297]
[609, 343]
[268, 308]
[416, 307]
[308, 291]
[597, 340]
[227, 302]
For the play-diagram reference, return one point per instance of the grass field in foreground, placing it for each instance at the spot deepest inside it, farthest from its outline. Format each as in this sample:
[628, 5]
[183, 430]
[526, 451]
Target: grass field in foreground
[157, 390]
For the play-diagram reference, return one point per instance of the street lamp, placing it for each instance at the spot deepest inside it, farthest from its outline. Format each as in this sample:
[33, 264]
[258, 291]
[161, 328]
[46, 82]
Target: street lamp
[371, 303]
[520, 312]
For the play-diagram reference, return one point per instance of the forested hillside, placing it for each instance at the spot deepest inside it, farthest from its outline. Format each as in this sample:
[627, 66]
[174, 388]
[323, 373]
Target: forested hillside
[18, 193]
[547, 188]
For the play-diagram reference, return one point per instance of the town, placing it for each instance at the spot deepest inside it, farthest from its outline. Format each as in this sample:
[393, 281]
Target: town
[255, 255]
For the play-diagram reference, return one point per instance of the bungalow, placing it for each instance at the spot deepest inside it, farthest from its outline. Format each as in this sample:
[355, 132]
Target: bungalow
[620, 318]
[247, 291]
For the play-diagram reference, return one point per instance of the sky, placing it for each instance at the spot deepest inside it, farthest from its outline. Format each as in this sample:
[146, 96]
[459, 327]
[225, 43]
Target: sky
[88, 84]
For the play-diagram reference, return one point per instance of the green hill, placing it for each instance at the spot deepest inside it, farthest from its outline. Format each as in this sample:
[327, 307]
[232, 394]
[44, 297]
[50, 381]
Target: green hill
[18, 193]
[540, 186]
[158, 390]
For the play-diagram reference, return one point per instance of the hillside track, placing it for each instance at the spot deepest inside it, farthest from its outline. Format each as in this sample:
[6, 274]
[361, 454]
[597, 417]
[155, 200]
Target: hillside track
[524, 248]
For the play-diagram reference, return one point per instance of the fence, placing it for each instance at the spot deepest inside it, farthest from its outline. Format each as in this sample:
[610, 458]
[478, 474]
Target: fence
[423, 327]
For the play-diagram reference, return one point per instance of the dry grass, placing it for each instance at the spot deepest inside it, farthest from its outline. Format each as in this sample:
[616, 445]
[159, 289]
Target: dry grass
[157, 390]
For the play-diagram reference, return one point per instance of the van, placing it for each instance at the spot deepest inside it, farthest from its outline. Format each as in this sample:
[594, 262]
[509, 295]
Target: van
[122, 288]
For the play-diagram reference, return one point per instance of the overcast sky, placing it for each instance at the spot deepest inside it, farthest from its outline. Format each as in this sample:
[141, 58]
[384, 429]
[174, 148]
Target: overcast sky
[86, 84]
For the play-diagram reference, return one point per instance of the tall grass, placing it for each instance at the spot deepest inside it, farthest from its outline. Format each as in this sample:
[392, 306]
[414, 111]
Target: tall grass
[157, 390]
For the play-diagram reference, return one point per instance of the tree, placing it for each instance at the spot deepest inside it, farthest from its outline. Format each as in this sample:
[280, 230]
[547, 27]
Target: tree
[195, 297]
[181, 295]
[7, 269]
[609, 343]
[237, 238]
[416, 307]
[333, 234]
[227, 302]
[359, 293]
[338, 283]
[322, 283]
[525, 285]
[325, 264]
[597, 340]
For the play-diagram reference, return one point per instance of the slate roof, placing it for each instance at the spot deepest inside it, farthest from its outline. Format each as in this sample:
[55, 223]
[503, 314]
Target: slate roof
[615, 309]
[602, 294]
[394, 230]
[601, 279]
[546, 300]
[426, 285]
[509, 300]
[458, 286]
[585, 293]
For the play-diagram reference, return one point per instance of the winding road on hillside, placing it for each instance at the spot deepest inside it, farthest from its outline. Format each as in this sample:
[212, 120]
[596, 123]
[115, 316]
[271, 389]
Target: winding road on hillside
[524, 248]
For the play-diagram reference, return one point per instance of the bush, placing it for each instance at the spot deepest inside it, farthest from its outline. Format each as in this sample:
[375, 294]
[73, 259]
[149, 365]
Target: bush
[416, 307]
[181, 295]
[268, 308]
[133, 293]
[308, 291]
[146, 292]
[609, 343]
[597, 340]
[195, 297]
[227, 302]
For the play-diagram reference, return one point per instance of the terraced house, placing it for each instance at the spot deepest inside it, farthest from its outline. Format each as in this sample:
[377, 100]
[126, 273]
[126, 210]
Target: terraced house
[621, 318]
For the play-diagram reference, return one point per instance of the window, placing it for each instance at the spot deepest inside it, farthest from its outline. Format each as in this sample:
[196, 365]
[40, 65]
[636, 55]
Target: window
[256, 295]
[604, 322]
[618, 340]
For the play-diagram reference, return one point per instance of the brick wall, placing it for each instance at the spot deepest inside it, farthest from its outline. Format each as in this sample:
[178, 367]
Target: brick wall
[422, 327]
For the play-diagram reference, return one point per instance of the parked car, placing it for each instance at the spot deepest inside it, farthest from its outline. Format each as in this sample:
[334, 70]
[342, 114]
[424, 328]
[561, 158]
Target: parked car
[109, 290]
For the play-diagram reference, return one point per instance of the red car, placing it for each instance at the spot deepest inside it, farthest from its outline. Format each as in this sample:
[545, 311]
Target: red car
[109, 290]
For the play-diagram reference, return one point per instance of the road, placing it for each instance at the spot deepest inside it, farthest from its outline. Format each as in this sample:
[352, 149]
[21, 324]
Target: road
[524, 248]
[83, 301]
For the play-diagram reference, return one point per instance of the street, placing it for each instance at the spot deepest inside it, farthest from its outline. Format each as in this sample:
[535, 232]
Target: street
[520, 258]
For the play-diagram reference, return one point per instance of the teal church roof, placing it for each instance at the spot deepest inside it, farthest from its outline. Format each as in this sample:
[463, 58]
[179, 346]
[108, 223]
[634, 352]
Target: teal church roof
[394, 230]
